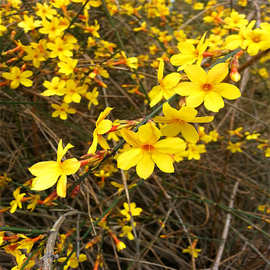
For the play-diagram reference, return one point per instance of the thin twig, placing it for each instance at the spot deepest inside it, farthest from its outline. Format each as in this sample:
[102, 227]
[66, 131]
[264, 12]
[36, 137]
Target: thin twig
[225, 229]
[49, 250]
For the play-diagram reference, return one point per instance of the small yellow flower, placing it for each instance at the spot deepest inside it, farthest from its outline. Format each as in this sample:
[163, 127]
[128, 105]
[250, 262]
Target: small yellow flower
[133, 211]
[62, 110]
[146, 150]
[194, 252]
[102, 126]
[166, 87]
[235, 147]
[177, 121]
[17, 77]
[49, 172]
[18, 200]
[207, 88]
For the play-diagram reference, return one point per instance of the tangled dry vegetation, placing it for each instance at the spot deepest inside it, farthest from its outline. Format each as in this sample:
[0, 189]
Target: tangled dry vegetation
[212, 212]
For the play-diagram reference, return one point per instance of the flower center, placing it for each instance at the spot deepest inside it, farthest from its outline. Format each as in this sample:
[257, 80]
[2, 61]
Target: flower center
[148, 147]
[207, 87]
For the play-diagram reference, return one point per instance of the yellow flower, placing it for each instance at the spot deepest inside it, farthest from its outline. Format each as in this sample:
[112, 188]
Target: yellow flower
[234, 147]
[49, 172]
[194, 252]
[133, 211]
[102, 126]
[59, 48]
[17, 77]
[194, 151]
[62, 110]
[18, 200]
[189, 54]
[54, 87]
[177, 121]
[73, 261]
[67, 65]
[29, 23]
[127, 231]
[146, 151]
[166, 87]
[207, 87]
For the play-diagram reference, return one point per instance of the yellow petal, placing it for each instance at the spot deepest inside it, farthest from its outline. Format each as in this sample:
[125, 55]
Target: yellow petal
[196, 74]
[45, 181]
[169, 112]
[160, 70]
[128, 159]
[130, 137]
[171, 130]
[62, 186]
[203, 119]
[104, 126]
[155, 95]
[60, 151]
[103, 115]
[195, 100]
[164, 162]
[228, 91]
[188, 88]
[218, 73]
[182, 59]
[149, 133]
[170, 145]
[42, 167]
[189, 133]
[102, 142]
[145, 166]
[70, 166]
[213, 102]
[187, 113]
[93, 146]
[26, 82]
[171, 80]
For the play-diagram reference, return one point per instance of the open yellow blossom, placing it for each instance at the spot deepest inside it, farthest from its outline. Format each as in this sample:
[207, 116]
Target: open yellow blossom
[177, 121]
[166, 87]
[189, 54]
[49, 172]
[132, 211]
[146, 150]
[194, 252]
[18, 200]
[102, 126]
[17, 77]
[207, 88]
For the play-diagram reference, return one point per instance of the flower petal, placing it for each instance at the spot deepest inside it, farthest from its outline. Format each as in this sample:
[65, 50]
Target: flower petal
[170, 145]
[129, 158]
[160, 70]
[182, 59]
[155, 95]
[104, 126]
[189, 133]
[60, 151]
[195, 100]
[218, 73]
[188, 88]
[228, 91]
[196, 74]
[145, 166]
[213, 102]
[171, 130]
[62, 186]
[149, 133]
[164, 162]
[130, 137]
[70, 166]
[171, 80]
